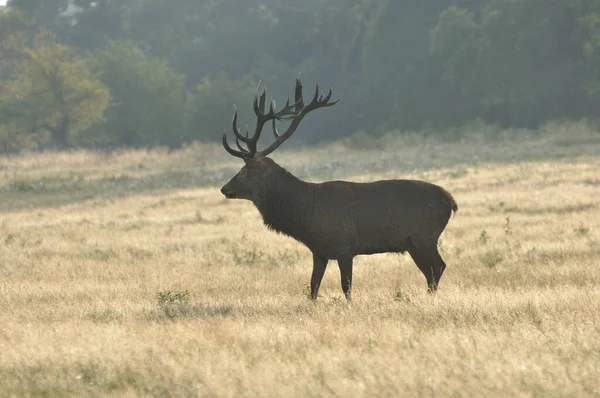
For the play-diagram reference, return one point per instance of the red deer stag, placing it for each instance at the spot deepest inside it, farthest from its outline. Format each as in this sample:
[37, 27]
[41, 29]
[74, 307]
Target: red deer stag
[337, 220]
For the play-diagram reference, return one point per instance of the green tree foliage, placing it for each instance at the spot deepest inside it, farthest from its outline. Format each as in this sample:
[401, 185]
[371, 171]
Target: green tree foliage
[211, 105]
[590, 28]
[12, 45]
[525, 74]
[51, 90]
[12, 41]
[521, 62]
[454, 53]
[175, 68]
[148, 98]
[42, 12]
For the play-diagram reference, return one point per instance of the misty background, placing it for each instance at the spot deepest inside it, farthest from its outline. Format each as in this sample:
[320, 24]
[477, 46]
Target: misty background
[105, 73]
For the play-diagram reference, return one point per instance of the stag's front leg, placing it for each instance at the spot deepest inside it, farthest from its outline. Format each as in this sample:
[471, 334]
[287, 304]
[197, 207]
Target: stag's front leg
[319, 266]
[345, 264]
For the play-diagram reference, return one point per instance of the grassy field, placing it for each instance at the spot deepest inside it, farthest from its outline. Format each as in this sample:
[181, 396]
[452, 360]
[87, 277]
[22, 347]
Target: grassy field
[128, 274]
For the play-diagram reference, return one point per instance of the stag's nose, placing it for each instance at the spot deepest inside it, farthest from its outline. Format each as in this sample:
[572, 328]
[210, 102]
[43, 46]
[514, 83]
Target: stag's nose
[228, 192]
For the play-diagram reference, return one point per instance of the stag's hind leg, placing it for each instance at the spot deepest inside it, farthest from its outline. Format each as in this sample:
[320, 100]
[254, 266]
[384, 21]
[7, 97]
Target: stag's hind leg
[345, 264]
[425, 254]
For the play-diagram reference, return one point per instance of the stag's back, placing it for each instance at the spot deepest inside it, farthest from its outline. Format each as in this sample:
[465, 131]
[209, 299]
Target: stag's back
[382, 216]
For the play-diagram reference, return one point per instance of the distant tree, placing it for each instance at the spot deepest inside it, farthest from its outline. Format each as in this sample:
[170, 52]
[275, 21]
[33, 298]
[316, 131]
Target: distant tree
[590, 24]
[455, 46]
[519, 64]
[12, 139]
[12, 44]
[396, 63]
[11, 21]
[149, 97]
[175, 67]
[202, 38]
[97, 21]
[529, 62]
[12, 40]
[44, 13]
[210, 105]
[53, 91]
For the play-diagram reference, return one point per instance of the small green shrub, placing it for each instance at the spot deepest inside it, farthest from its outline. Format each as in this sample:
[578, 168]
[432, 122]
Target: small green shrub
[507, 227]
[401, 296]
[101, 254]
[170, 297]
[581, 230]
[306, 290]
[22, 186]
[492, 258]
[483, 237]
[10, 238]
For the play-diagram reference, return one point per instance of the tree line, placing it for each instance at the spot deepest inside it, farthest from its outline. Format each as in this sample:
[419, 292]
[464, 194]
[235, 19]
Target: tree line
[105, 73]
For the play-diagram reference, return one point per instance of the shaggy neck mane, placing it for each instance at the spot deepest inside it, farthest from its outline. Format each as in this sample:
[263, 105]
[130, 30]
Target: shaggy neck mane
[286, 204]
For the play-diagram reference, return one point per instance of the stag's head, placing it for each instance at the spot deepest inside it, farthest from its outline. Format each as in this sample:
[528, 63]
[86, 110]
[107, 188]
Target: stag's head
[258, 168]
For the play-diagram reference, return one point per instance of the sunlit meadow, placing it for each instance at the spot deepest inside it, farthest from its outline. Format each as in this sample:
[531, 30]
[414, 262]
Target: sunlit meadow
[128, 273]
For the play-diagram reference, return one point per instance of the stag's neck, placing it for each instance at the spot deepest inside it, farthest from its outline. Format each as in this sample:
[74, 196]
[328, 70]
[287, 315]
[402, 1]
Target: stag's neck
[287, 206]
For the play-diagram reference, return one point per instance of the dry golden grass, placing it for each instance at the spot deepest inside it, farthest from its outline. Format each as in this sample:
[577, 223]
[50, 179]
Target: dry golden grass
[128, 274]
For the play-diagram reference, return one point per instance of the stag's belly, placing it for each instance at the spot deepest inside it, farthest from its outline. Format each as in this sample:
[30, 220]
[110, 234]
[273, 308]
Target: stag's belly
[384, 232]
[353, 230]
[379, 217]
[386, 226]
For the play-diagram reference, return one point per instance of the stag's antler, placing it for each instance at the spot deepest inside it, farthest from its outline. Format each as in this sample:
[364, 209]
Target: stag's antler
[291, 112]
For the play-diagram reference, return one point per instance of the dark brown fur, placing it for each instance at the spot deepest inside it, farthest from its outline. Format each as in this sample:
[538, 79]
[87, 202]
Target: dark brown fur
[338, 220]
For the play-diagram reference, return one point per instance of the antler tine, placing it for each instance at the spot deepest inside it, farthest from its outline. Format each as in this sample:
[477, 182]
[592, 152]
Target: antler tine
[262, 118]
[233, 152]
[239, 145]
[294, 112]
[298, 95]
[255, 104]
[263, 100]
[327, 98]
[288, 112]
[259, 101]
[315, 97]
[318, 101]
[260, 107]
[236, 131]
[275, 132]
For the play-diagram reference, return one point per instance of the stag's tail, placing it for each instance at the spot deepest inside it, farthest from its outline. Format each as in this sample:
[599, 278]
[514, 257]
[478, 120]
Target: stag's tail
[454, 205]
[450, 200]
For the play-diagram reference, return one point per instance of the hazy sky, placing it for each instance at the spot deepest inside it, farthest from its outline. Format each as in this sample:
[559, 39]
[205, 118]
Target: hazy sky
[2, 2]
